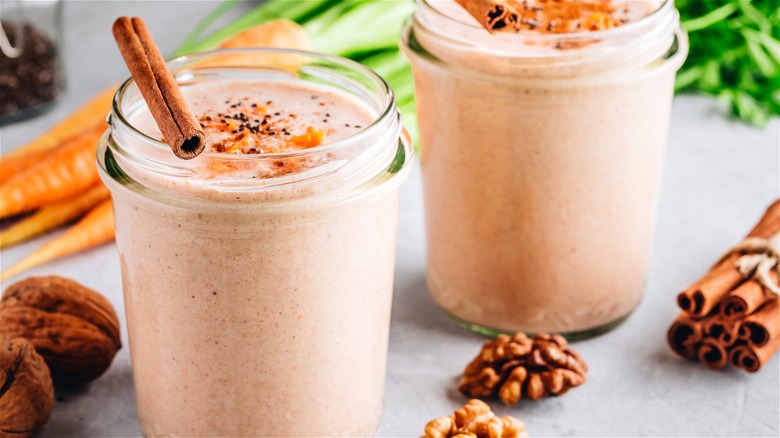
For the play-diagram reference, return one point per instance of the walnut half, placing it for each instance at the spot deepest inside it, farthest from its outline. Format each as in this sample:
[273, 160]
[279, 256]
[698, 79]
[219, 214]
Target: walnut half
[512, 366]
[475, 420]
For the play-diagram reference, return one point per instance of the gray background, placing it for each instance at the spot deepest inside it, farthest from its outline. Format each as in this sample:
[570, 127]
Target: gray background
[719, 178]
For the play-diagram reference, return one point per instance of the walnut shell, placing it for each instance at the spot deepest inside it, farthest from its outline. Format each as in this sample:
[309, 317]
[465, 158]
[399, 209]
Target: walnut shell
[26, 392]
[73, 328]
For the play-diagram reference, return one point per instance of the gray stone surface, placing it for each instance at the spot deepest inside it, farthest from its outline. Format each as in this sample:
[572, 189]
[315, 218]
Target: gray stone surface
[719, 177]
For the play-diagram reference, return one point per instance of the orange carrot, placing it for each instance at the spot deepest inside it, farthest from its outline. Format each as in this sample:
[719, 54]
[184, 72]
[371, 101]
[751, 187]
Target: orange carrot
[283, 34]
[91, 115]
[67, 171]
[96, 228]
[10, 166]
[53, 215]
[279, 33]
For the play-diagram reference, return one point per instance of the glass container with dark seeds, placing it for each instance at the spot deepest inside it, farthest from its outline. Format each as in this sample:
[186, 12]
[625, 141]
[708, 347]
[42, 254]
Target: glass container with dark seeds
[31, 70]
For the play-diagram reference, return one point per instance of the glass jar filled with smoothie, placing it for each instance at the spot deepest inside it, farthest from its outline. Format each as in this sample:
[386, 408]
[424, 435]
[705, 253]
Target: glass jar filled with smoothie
[541, 149]
[258, 276]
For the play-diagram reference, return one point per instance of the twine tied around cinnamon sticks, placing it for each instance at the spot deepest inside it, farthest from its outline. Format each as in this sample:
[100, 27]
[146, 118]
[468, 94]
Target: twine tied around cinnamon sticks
[732, 314]
[761, 256]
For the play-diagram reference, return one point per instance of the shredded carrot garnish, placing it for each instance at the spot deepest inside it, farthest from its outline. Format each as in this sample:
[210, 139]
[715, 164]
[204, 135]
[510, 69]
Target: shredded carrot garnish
[599, 21]
[313, 137]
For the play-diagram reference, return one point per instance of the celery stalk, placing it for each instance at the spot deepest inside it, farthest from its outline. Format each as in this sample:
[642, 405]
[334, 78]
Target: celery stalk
[364, 28]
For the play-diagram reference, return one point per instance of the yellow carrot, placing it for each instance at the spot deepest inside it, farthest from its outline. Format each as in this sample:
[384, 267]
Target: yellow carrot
[10, 166]
[91, 115]
[96, 228]
[53, 215]
[68, 171]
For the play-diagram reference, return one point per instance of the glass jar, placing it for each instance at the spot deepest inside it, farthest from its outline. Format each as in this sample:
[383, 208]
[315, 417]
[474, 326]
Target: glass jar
[259, 306]
[31, 70]
[541, 157]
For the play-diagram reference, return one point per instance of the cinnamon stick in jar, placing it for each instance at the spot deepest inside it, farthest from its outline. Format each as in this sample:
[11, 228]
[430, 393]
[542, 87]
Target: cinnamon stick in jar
[493, 15]
[180, 128]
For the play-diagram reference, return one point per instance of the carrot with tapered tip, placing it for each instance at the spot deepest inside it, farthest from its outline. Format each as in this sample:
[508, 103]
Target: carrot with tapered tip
[91, 115]
[53, 215]
[12, 166]
[96, 228]
[68, 171]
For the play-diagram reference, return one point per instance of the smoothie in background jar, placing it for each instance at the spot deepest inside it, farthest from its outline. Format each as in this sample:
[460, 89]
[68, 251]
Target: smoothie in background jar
[541, 153]
[258, 277]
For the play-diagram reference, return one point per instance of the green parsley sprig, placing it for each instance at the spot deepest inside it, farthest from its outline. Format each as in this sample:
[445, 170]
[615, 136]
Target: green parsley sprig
[734, 55]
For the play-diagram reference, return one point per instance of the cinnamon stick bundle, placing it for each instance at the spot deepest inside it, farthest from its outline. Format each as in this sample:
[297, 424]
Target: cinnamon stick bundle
[732, 315]
[179, 127]
[701, 297]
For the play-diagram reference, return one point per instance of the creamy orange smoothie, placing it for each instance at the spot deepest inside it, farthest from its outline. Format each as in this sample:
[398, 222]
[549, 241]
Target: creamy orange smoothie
[258, 276]
[541, 152]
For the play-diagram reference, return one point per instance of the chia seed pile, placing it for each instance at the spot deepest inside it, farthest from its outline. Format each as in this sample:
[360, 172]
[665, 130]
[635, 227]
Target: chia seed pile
[31, 79]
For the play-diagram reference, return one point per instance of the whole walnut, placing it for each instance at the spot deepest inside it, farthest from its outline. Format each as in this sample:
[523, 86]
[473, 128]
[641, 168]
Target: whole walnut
[73, 328]
[26, 392]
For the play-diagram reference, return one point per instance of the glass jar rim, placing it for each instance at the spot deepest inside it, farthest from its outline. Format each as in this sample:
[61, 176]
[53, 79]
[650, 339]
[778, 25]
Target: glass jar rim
[562, 60]
[664, 8]
[388, 110]
[345, 169]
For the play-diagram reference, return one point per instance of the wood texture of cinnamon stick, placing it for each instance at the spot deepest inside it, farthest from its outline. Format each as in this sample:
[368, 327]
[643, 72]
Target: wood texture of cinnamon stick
[724, 330]
[685, 336]
[178, 125]
[760, 328]
[701, 297]
[713, 354]
[745, 299]
[493, 15]
[752, 358]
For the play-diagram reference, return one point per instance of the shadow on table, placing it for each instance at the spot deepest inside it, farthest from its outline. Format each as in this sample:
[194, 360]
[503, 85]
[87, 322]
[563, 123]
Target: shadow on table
[107, 404]
[413, 308]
